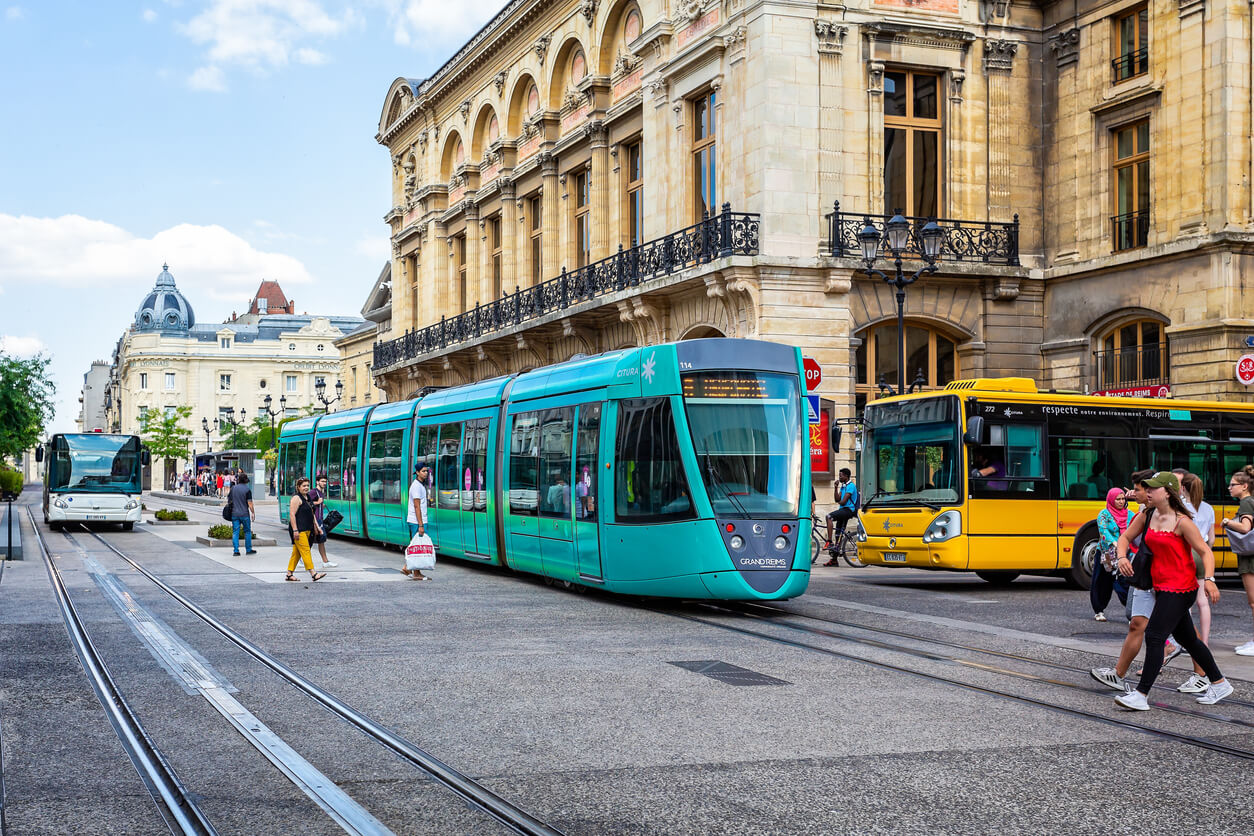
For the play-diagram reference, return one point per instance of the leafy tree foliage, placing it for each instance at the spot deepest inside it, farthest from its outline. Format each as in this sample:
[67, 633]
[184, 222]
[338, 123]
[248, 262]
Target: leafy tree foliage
[164, 434]
[26, 406]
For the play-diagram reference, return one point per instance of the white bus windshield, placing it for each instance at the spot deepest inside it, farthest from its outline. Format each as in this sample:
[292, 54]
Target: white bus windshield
[94, 462]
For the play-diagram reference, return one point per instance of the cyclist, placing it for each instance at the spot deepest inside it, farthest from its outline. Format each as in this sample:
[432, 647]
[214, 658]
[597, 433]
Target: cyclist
[846, 495]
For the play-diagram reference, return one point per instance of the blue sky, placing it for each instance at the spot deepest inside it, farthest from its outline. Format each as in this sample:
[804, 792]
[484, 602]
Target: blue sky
[232, 138]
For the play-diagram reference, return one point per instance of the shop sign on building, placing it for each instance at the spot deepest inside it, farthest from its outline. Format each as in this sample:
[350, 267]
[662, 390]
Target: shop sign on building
[1163, 391]
[1245, 369]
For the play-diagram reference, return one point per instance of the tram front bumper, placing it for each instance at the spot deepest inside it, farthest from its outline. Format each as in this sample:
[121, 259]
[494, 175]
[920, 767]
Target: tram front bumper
[913, 552]
[80, 511]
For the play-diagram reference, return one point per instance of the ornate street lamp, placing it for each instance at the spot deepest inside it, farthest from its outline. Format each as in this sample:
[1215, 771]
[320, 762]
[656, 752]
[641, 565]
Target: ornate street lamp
[897, 231]
[321, 391]
[204, 422]
[272, 413]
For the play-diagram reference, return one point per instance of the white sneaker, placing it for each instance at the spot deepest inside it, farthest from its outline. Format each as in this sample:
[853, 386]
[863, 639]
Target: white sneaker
[1109, 678]
[1134, 701]
[1195, 684]
[1216, 692]
[1246, 649]
[329, 565]
[1099, 616]
[1171, 651]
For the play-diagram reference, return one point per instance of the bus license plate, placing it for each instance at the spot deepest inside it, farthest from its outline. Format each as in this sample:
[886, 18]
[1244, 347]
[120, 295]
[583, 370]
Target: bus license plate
[894, 557]
[97, 517]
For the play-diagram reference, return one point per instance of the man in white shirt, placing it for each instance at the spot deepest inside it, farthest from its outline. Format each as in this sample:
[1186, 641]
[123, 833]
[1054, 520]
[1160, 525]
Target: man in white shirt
[417, 517]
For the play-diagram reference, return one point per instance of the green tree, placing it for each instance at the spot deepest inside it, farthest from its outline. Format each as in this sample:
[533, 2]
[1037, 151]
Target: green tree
[163, 433]
[26, 406]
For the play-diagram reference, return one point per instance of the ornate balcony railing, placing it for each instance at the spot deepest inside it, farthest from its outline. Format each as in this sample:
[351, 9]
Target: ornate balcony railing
[728, 233]
[1124, 368]
[1129, 230]
[982, 242]
[1129, 64]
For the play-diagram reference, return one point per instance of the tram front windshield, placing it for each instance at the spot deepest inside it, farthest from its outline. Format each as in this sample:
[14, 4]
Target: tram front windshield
[911, 452]
[93, 462]
[746, 430]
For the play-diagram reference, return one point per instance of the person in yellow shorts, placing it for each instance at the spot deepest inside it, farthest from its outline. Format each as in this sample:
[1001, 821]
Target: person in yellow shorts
[300, 519]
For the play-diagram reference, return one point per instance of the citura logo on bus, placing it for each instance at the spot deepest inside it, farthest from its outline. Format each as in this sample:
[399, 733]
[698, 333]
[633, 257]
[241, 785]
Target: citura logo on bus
[1008, 412]
[889, 525]
[632, 372]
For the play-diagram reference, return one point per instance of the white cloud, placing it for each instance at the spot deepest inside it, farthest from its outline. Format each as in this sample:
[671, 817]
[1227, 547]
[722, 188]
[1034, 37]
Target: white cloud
[261, 35]
[76, 252]
[21, 346]
[14, 13]
[148, 16]
[418, 21]
[208, 78]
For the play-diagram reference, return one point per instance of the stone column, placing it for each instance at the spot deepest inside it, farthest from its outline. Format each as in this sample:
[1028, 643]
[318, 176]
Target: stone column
[474, 272]
[551, 199]
[443, 267]
[599, 187]
[998, 64]
[831, 44]
[511, 237]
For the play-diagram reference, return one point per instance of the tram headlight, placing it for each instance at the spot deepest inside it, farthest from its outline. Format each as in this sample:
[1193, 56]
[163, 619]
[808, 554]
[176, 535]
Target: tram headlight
[132, 505]
[781, 543]
[60, 503]
[737, 542]
[945, 527]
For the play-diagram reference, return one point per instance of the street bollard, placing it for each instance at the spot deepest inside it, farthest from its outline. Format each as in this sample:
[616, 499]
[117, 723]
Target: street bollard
[8, 555]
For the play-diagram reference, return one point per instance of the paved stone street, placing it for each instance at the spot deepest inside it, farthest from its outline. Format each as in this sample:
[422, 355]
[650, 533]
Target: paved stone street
[574, 708]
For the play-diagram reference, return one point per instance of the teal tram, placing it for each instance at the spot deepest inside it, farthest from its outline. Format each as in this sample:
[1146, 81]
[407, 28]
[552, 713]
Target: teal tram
[672, 470]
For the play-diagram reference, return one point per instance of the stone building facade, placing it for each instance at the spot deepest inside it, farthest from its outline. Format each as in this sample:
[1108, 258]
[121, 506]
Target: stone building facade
[585, 175]
[167, 359]
[91, 412]
[357, 348]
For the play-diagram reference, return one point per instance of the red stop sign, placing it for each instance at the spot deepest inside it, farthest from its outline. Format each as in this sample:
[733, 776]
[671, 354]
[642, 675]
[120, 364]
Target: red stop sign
[1245, 369]
[814, 374]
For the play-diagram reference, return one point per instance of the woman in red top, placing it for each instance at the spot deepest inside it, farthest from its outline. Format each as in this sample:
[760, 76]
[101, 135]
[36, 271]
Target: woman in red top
[1172, 538]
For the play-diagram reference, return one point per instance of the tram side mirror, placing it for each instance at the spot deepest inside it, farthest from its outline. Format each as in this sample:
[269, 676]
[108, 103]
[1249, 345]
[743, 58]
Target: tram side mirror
[145, 458]
[39, 453]
[835, 438]
[975, 430]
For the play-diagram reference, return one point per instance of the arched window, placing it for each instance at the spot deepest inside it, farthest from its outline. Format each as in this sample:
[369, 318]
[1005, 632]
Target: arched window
[533, 101]
[494, 130]
[928, 351]
[1131, 355]
[578, 67]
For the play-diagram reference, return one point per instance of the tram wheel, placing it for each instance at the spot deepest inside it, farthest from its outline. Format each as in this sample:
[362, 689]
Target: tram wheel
[998, 578]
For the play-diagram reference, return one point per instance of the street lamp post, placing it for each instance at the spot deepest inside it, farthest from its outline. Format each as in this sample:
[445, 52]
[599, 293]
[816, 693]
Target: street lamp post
[897, 230]
[272, 413]
[204, 422]
[321, 391]
[230, 420]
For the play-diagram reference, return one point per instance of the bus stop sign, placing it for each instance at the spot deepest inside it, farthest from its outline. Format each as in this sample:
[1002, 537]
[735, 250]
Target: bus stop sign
[1245, 369]
[814, 374]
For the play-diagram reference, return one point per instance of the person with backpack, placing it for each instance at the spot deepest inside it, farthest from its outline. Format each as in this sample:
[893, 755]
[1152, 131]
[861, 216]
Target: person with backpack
[847, 508]
[1240, 531]
[1170, 533]
[243, 514]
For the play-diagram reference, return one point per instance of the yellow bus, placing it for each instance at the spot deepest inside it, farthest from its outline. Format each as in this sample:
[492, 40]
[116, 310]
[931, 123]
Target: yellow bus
[995, 477]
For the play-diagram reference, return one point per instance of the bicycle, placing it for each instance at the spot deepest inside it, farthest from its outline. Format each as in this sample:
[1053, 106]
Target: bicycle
[845, 547]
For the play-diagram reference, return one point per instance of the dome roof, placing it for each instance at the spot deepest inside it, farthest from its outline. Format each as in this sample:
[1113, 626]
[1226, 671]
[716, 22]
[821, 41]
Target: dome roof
[164, 309]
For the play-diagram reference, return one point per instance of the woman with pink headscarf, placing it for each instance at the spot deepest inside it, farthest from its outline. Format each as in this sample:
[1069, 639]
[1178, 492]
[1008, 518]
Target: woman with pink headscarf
[1111, 522]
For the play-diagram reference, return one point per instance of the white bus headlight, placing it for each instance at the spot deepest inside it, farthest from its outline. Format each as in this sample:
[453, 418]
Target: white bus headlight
[132, 505]
[60, 503]
[860, 532]
[945, 527]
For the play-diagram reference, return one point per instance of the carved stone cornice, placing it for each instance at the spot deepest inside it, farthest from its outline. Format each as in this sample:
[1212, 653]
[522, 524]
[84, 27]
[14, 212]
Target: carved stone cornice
[735, 40]
[541, 46]
[689, 11]
[656, 90]
[597, 133]
[464, 109]
[999, 56]
[1066, 47]
[831, 36]
[499, 82]
[547, 163]
[875, 78]
[588, 8]
[624, 65]
[916, 34]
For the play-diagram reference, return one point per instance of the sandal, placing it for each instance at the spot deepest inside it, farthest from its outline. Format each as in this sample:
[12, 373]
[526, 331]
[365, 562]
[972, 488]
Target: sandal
[317, 576]
[290, 577]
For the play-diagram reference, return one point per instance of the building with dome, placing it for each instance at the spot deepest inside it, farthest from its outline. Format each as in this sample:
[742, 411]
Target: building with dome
[166, 359]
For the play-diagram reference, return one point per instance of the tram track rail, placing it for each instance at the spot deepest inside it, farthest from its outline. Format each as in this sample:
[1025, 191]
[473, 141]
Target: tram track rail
[1165, 734]
[467, 789]
[174, 802]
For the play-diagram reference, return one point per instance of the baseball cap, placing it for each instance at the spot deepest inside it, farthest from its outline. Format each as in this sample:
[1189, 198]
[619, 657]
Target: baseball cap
[1164, 479]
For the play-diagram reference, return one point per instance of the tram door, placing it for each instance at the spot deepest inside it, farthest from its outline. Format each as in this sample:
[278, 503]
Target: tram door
[587, 477]
[445, 511]
[557, 548]
[474, 497]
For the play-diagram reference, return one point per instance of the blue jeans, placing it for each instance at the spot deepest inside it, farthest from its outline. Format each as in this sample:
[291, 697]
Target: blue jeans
[236, 524]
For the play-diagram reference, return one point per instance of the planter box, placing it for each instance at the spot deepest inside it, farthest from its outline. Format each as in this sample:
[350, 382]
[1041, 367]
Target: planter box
[257, 541]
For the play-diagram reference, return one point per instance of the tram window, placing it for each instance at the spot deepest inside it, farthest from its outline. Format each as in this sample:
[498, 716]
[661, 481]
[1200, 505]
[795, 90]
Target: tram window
[424, 453]
[295, 454]
[587, 443]
[524, 458]
[474, 461]
[556, 439]
[1087, 468]
[384, 466]
[320, 460]
[480, 474]
[335, 450]
[1194, 455]
[650, 485]
[447, 481]
[348, 488]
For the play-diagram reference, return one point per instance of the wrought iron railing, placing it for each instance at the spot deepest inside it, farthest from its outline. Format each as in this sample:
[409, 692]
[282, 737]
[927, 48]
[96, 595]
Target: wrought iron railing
[728, 233]
[1126, 368]
[1130, 64]
[1130, 230]
[985, 242]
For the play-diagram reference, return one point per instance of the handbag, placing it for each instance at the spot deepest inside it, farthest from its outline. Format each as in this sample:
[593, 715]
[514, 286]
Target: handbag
[1110, 558]
[420, 554]
[331, 520]
[1241, 543]
[226, 510]
[1141, 578]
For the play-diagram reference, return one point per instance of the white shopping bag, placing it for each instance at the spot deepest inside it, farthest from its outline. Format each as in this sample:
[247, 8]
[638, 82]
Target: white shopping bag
[420, 553]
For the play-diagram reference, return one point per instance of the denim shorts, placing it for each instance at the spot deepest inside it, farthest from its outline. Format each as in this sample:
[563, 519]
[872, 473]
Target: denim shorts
[1140, 602]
